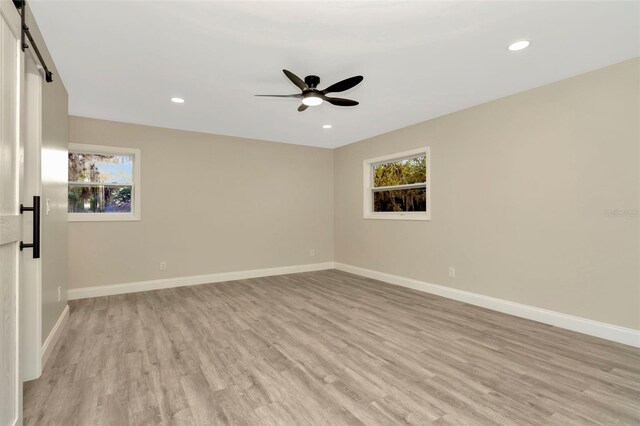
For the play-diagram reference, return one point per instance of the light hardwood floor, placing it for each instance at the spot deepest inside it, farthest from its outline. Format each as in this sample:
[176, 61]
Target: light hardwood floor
[324, 348]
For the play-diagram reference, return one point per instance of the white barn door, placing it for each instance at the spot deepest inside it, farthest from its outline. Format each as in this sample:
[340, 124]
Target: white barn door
[10, 219]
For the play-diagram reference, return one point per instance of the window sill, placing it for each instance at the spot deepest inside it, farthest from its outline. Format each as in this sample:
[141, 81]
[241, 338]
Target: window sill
[102, 217]
[398, 216]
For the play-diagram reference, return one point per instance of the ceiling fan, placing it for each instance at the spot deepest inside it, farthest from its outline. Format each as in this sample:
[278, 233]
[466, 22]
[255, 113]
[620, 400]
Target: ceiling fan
[312, 96]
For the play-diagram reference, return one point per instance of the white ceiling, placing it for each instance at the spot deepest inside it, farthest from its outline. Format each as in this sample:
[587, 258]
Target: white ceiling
[123, 60]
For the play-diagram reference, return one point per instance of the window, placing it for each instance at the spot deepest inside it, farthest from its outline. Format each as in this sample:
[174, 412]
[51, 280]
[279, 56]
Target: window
[104, 183]
[397, 186]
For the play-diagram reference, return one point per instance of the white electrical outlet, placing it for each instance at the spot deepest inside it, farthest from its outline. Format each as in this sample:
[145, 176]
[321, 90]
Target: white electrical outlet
[312, 252]
[452, 272]
[47, 208]
[59, 294]
[163, 265]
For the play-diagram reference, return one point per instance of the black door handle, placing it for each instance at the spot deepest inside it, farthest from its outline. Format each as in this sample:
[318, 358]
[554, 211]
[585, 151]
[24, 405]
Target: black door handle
[36, 227]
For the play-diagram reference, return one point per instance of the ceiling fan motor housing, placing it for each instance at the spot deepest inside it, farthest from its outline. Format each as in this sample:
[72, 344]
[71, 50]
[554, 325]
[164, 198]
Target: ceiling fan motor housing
[312, 81]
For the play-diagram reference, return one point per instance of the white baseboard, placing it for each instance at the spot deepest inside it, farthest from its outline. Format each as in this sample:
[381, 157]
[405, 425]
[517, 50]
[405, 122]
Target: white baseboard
[603, 330]
[611, 332]
[134, 287]
[54, 336]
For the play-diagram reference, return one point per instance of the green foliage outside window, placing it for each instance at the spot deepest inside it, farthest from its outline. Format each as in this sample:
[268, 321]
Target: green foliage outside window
[401, 172]
[100, 183]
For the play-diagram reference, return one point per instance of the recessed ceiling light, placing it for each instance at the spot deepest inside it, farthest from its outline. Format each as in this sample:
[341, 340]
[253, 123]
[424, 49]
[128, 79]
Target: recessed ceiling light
[327, 126]
[519, 45]
[177, 100]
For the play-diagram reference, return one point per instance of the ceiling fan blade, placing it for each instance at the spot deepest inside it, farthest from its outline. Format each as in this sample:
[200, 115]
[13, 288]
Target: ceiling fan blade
[299, 95]
[302, 107]
[343, 85]
[340, 101]
[295, 80]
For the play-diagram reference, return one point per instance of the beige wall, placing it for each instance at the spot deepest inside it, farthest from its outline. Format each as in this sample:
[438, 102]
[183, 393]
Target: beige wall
[209, 204]
[55, 138]
[520, 191]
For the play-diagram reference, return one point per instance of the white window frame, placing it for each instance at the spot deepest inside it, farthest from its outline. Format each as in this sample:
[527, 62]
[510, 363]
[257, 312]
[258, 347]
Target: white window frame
[368, 212]
[135, 196]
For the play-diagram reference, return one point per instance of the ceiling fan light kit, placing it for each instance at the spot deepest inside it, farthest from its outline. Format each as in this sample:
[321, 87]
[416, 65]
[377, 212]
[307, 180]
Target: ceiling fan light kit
[312, 96]
[311, 99]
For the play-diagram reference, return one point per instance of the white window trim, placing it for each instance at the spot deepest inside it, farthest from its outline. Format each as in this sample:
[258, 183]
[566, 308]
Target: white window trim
[368, 212]
[109, 217]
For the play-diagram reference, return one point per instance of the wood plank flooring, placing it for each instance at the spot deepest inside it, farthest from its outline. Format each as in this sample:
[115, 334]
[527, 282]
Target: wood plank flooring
[324, 348]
